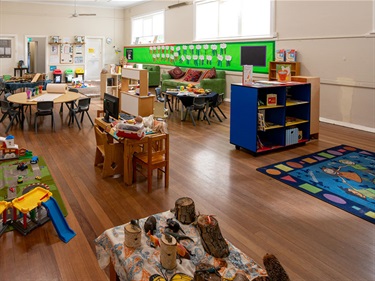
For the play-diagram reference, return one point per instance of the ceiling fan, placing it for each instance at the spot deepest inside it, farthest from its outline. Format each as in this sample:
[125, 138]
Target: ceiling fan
[76, 15]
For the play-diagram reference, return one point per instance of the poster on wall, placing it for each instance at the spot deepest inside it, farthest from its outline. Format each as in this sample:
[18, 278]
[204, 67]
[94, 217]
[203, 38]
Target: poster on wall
[224, 56]
[66, 53]
[129, 54]
[5, 48]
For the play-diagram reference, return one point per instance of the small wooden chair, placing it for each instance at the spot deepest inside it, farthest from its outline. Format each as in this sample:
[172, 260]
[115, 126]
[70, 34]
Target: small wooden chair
[154, 156]
[109, 154]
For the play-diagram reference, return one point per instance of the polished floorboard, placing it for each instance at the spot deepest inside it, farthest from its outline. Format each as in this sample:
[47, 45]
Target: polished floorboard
[312, 239]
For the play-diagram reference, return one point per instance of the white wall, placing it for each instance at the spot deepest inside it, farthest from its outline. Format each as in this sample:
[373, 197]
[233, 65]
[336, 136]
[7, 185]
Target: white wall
[331, 37]
[333, 42]
[41, 20]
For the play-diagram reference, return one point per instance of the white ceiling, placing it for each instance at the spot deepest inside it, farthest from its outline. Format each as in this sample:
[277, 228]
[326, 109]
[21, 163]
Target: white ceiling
[92, 3]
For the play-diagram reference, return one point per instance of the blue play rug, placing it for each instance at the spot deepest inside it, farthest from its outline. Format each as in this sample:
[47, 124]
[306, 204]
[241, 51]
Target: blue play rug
[343, 176]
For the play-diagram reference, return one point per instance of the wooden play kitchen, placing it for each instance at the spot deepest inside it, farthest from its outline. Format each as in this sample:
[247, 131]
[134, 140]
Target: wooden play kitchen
[135, 98]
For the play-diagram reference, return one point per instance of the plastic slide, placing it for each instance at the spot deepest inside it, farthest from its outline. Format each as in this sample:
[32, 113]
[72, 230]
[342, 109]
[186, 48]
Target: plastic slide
[62, 228]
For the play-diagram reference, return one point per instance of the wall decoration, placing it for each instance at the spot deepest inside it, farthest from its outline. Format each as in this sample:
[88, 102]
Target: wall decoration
[224, 56]
[5, 48]
[79, 39]
[66, 53]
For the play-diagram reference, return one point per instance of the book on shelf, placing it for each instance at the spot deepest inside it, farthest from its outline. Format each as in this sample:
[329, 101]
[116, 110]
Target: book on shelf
[283, 72]
[280, 55]
[261, 120]
[271, 99]
[247, 75]
[291, 55]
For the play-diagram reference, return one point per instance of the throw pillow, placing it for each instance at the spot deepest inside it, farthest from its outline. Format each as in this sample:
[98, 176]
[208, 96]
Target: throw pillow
[210, 73]
[192, 75]
[176, 73]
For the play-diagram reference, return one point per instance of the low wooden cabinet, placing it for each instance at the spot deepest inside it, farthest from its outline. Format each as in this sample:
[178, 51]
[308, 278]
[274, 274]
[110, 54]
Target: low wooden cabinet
[294, 68]
[141, 103]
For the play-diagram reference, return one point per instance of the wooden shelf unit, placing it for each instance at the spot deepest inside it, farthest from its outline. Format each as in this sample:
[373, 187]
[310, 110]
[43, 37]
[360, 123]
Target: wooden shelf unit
[315, 102]
[131, 103]
[281, 121]
[294, 67]
[104, 88]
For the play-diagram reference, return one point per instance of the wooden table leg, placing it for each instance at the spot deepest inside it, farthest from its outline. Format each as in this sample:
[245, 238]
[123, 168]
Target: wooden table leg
[128, 163]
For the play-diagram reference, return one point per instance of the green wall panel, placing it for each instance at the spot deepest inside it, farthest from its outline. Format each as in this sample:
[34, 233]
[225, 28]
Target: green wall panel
[225, 56]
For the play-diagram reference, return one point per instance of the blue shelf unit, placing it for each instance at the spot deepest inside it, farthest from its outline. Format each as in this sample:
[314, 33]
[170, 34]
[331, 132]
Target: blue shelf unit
[259, 127]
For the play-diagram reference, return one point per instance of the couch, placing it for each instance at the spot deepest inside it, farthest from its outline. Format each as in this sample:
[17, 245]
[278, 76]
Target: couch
[216, 84]
[153, 74]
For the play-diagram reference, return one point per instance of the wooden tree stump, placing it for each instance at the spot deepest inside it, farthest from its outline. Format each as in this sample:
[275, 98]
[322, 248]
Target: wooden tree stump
[212, 239]
[185, 210]
[133, 237]
[168, 250]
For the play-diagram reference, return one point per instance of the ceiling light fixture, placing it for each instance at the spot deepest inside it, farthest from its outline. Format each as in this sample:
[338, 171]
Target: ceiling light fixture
[180, 4]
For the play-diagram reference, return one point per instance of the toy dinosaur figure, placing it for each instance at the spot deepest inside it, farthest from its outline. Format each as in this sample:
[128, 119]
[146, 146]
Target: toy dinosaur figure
[150, 224]
[182, 252]
[174, 226]
[154, 241]
[178, 236]
[135, 224]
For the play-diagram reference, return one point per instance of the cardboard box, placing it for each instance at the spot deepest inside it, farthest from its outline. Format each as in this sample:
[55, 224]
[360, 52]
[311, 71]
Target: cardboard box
[280, 55]
[291, 55]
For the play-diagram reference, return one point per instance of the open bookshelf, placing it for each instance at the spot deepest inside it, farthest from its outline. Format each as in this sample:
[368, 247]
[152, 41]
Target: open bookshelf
[260, 128]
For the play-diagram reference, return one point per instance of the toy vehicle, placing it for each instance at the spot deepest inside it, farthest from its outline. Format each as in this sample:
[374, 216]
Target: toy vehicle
[38, 177]
[34, 160]
[22, 166]
[20, 179]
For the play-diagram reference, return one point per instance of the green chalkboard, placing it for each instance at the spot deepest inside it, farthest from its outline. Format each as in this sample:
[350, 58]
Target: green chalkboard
[224, 56]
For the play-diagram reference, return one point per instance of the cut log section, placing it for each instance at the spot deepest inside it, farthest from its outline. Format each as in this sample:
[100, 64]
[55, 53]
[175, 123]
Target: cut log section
[185, 210]
[212, 239]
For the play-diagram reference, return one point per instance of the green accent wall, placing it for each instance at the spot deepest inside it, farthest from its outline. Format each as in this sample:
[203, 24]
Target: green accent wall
[223, 56]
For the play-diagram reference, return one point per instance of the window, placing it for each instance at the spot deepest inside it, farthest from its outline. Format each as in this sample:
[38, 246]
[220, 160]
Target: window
[148, 29]
[234, 19]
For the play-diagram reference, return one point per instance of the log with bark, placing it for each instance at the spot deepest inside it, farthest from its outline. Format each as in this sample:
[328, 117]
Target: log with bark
[211, 237]
[185, 210]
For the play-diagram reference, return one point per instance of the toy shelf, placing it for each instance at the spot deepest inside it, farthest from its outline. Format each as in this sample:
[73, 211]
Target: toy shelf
[260, 128]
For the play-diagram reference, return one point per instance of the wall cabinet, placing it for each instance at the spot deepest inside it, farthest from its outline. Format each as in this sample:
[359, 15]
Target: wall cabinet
[259, 127]
[294, 68]
[109, 83]
[136, 101]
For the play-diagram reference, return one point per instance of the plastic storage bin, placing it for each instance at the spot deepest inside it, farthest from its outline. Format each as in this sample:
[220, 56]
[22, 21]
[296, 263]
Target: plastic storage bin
[69, 74]
[80, 73]
[57, 74]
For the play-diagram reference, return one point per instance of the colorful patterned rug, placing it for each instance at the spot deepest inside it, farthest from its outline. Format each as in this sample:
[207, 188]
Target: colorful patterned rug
[35, 175]
[343, 176]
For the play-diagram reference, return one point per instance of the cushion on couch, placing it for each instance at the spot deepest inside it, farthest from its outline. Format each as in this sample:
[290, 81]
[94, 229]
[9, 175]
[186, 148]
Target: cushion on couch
[210, 74]
[192, 75]
[176, 73]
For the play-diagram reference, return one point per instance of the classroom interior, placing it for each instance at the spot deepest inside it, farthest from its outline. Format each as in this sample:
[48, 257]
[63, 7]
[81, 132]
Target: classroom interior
[312, 239]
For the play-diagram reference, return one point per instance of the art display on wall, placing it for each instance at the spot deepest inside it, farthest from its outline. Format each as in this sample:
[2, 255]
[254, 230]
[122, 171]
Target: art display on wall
[5, 48]
[225, 56]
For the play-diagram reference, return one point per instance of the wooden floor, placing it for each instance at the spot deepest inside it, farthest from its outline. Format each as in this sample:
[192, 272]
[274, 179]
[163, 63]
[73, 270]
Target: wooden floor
[312, 239]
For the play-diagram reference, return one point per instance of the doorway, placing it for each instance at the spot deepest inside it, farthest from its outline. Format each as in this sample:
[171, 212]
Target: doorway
[94, 58]
[36, 54]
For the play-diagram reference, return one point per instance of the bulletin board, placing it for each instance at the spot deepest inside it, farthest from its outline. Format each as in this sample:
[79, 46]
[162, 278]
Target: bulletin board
[78, 53]
[224, 56]
[66, 53]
